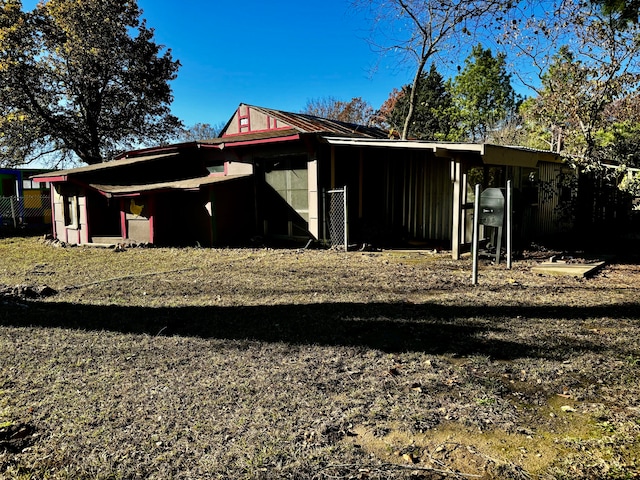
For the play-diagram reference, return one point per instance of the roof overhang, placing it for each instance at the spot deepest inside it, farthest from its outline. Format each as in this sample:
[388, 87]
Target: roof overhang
[517, 156]
[63, 175]
[190, 184]
[254, 138]
[489, 153]
[261, 141]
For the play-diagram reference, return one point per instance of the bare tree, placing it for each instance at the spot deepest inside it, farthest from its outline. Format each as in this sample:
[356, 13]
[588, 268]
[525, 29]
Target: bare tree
[200, 131]
[579, 62]
[356, 110]
[420, 29]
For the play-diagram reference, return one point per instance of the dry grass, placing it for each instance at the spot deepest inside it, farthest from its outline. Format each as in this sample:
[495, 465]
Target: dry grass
[197, 363]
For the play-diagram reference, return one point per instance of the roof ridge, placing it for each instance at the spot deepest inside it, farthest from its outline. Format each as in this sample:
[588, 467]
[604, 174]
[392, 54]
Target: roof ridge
[307, 123]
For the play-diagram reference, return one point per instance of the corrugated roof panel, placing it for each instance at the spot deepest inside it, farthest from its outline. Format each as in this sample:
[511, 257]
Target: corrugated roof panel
[188, 184]
[105, 165]
[311, 124]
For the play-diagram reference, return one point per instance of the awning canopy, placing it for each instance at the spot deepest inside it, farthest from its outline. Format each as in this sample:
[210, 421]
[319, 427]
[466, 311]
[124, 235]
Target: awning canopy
[63, 175]
[186, 185]
[489, 153]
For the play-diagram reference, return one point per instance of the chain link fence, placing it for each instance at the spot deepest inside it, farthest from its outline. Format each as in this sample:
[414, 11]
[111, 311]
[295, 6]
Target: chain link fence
[32, 209]
[336, 217]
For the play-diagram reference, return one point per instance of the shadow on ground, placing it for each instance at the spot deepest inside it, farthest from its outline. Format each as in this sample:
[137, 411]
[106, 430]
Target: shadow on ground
[497, 332]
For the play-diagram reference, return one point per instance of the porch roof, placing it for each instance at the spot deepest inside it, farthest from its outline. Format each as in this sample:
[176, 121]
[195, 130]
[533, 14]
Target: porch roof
[188, 184]
[63, 175]
[489, 153]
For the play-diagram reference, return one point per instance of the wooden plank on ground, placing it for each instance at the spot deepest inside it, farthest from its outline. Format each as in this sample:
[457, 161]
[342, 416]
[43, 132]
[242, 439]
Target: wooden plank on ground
[571, 269]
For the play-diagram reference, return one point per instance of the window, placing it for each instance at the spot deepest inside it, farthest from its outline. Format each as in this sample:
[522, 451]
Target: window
[289, 178]
[70, 207]
[216, 168]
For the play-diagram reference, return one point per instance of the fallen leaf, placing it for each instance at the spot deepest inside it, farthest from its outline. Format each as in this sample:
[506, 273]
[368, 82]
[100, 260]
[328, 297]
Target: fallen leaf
[409, 458]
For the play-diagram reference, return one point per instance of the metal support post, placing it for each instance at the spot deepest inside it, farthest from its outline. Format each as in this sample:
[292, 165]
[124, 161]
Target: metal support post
[13, 212]
[475, 244]
[509, 224]
[346, 222]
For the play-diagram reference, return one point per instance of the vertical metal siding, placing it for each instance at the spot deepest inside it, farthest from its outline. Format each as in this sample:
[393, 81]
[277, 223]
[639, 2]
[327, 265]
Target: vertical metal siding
[427, 199]
[548, 220]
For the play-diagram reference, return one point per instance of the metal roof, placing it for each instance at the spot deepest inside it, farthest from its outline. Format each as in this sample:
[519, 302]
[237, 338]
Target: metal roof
[304, 123]
[491, 154]
[103, 166]
[253, 136]
[188, 184]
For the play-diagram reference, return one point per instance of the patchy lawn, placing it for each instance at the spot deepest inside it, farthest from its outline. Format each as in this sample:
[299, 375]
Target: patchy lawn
[259, 363]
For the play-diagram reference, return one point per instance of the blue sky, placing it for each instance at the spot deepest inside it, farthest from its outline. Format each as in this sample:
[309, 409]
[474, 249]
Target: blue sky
[273, 54]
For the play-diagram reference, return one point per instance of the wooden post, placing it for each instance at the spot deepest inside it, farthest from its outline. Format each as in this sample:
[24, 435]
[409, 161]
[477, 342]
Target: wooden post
[360, 183]
[333, 166]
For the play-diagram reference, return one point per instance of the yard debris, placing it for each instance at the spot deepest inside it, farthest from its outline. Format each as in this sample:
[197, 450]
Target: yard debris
[23, 292]
[409, 458]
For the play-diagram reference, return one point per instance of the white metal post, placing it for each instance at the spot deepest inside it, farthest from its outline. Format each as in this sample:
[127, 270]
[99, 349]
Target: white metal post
[13, 212]
[509, 225]
[476, 230]
[325, 217]
[346, 229]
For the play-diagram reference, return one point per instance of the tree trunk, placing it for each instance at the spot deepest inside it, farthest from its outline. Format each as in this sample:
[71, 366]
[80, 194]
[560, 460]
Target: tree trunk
[412, 97]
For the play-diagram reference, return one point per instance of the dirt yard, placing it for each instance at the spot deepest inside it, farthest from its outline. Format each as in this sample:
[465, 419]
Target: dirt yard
[309, 364]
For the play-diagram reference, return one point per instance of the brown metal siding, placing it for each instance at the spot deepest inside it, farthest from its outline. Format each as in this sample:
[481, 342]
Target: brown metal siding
[431, 200]
[420, 197]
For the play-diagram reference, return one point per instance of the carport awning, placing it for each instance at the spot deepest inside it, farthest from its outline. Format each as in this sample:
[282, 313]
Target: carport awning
[188, 184]
[489, 153]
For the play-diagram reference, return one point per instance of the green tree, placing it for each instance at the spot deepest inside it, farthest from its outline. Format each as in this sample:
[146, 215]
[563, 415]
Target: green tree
[81, 78]
[432, 117]
[578, 61]
[573, 109]
[554, 116]
[624, 11]
[483, 95]
[619, 136]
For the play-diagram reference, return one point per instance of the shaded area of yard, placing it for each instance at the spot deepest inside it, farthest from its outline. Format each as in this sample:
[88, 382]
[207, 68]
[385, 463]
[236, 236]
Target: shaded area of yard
[428, 328]
[170, 363]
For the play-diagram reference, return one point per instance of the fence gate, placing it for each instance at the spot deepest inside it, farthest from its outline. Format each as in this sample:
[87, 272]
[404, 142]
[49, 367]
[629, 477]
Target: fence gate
[335, 213]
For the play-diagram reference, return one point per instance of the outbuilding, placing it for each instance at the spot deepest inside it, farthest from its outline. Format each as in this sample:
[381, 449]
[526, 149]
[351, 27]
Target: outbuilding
[268, 175]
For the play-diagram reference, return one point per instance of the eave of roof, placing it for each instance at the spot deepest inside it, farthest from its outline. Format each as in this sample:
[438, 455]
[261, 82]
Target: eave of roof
[265, 136]
[188, 184]
[490, 154]
[64, 174]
